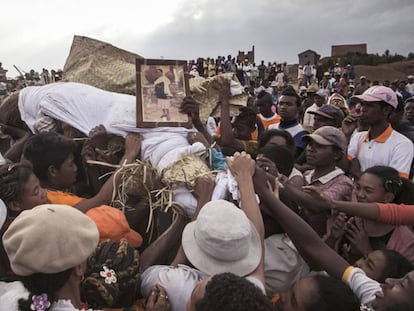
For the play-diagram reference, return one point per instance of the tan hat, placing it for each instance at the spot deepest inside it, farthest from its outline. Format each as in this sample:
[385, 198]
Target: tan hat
[313, 88]
[49, 238]
[330, 112]
[328, 136]
[222, 239]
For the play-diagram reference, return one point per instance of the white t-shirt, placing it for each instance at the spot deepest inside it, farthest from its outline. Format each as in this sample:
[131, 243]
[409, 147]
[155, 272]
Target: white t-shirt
[11, 293]
[390, 149]
[363, 287]
[410, 88]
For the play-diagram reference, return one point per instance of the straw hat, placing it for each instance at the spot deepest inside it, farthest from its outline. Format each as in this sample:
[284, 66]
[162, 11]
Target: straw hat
[222, 239]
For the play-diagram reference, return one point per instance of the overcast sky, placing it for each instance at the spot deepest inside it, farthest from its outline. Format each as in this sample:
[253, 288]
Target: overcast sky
[38, 34]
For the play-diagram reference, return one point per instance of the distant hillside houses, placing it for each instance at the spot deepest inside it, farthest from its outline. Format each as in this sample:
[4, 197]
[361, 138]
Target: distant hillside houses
[308, 56]
[342, 50]
[241, 56]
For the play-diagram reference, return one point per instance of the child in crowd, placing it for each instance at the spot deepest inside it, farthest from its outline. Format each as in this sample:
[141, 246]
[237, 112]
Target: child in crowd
[320, 257]
[379, 184]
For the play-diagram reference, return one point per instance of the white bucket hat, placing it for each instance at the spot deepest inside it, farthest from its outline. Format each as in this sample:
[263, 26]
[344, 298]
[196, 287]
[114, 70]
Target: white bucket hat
[222, 239]
[3, 213]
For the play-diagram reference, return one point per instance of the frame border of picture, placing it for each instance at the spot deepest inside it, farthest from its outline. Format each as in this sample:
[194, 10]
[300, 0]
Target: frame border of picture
[140, 104]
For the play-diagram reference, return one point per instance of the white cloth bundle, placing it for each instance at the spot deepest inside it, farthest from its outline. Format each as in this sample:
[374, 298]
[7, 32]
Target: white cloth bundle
[84, 107]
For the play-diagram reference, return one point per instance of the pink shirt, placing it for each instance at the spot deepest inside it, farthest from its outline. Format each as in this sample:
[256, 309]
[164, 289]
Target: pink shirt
[335, 185]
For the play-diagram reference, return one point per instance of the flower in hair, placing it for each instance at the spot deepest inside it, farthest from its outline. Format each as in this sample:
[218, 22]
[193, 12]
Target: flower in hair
[109, 275]
[40, 303]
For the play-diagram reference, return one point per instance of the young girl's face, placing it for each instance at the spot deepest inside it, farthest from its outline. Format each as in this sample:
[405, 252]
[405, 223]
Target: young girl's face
[300, 296]
[373, 265]
[396, 291]
[33, 194]
[369, 188]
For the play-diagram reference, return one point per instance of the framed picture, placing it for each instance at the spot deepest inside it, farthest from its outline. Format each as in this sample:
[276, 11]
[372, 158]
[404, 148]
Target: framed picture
[161, 87]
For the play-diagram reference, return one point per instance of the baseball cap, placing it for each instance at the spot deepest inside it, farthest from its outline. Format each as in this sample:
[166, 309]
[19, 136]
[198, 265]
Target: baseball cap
[362, 77]
[113, 225]
[330, 112]
[328, 136]
[379, 93]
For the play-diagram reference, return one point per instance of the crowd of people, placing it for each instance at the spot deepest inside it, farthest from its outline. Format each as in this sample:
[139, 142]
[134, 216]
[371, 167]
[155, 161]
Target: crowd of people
[247, 72]
[31, 78]
[304, 200]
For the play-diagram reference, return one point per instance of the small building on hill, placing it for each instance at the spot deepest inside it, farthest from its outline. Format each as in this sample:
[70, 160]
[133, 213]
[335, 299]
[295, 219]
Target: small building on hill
[342, 50]
[308, 56]
[241, 56]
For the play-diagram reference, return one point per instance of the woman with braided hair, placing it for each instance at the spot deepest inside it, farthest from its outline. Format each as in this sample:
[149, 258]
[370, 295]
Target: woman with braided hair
[19, 190]
[112, 280]
[112, 276]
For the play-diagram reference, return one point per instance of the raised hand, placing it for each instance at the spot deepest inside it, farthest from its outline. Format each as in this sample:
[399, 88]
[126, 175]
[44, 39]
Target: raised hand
[204, 187]
[241, 165]
[133, 144]
[98, 137]
[323, 200]
[356, 234]
[158, 300]
[267, 165]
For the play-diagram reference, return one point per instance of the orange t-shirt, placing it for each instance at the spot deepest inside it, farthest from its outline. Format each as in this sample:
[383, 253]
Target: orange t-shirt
[59, 197]
[255, 133]
[275, 119]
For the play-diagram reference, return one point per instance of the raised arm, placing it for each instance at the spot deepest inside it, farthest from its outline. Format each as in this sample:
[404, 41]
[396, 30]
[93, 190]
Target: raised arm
[242, 166]
[191, 107]
[300, 197]
[390, 213]
[21, 137]
[203, 190]
[227, 138]
[316, 253]
[104, 196]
